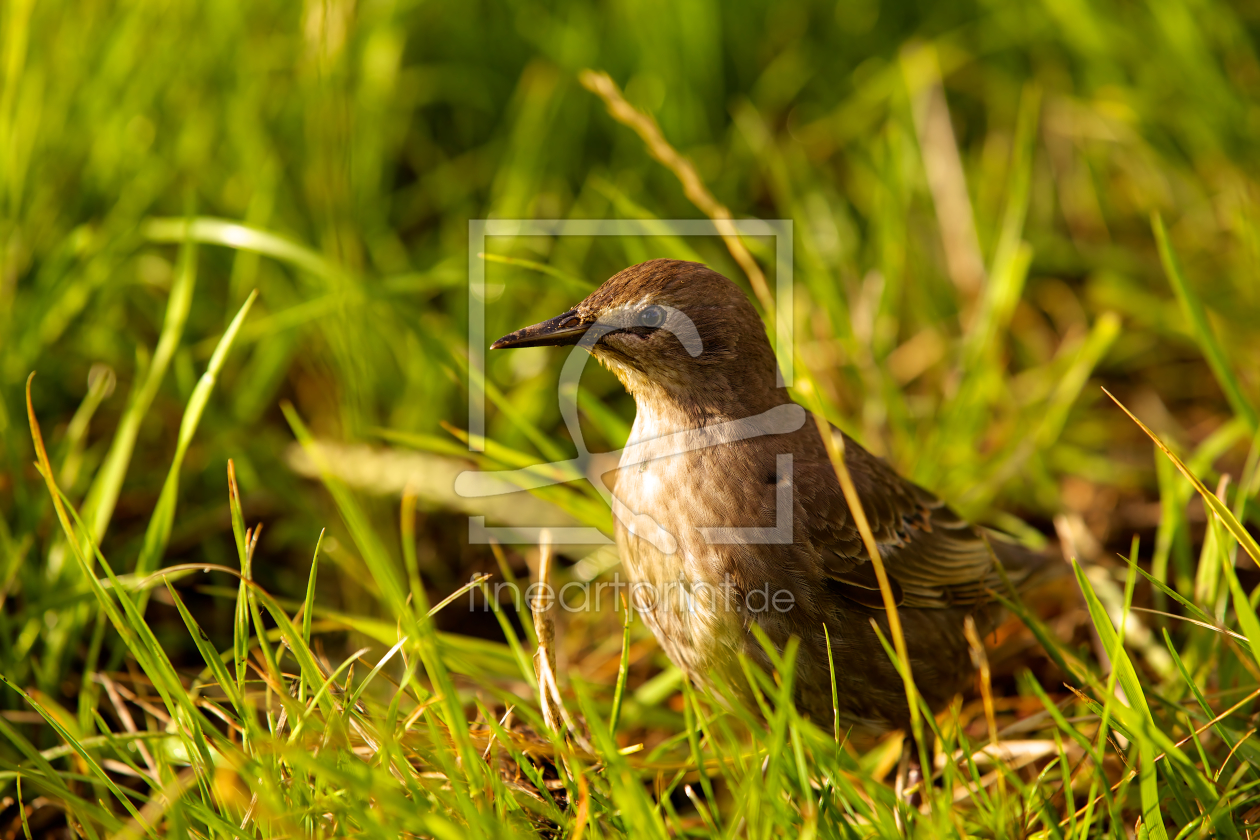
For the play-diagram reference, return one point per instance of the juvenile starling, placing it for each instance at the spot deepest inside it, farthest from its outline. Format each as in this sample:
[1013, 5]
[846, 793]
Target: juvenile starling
[718, 448]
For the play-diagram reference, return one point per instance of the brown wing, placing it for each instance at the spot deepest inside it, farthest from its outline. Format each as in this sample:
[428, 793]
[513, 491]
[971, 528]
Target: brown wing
[934, 558]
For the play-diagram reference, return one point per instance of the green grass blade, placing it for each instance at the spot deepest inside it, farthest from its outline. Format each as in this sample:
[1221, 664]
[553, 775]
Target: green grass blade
[418, 625]
[230, 234]
[129, 622]
[1222, 511]
[308, 605]
[211, 656]
[158, 533]
[240, 620]
[98, 507]
[1138, 721]
[623, 671]
[1202, 330]
[83, 754]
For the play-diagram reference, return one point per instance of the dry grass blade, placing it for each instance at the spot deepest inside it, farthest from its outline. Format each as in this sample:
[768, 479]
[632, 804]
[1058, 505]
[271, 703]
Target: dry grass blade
[1217, 507]
[549, 699]
[472, 584]
[602, 85]
[545, 656]
[583, 807]
[504, 724]
[124, 715]
[1232, 750]
[1214, 628]
[944, 169]
[981, 662]
[1131, 774]
[835, 451]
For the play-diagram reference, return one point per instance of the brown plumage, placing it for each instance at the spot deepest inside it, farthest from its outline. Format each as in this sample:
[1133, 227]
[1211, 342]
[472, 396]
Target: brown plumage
[690, 348]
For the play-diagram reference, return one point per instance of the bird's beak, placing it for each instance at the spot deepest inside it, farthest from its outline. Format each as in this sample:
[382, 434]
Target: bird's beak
[559, 331]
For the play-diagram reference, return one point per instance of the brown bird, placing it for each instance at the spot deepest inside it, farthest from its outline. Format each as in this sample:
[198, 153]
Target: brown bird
[728, 510]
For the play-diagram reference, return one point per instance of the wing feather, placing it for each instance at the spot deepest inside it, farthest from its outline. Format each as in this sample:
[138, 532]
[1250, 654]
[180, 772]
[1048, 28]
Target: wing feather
[934, 558]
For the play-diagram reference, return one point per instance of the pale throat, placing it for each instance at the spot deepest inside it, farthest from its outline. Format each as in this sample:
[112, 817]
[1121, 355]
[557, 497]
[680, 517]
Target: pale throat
[670, 400]
[665, 402]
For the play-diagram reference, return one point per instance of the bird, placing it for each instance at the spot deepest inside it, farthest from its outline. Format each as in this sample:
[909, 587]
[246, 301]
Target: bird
[725, 497]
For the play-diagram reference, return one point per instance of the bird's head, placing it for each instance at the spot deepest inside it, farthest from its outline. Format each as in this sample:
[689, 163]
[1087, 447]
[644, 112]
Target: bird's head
[669, 329]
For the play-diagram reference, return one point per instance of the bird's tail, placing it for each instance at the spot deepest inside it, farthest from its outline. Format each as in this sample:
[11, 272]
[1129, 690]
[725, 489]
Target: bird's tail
[1024, 567]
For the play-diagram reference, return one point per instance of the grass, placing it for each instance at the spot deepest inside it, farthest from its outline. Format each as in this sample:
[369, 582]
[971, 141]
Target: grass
[237, 234]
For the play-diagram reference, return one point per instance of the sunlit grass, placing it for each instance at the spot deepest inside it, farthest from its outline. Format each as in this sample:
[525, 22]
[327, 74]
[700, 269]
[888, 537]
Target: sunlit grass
[996, 210]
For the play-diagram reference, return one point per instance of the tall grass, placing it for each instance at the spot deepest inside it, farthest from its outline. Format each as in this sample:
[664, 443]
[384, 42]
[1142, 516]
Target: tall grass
[237, 233]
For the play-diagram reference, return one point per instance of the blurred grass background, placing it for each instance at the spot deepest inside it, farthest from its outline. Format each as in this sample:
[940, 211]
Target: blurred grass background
[971, 184]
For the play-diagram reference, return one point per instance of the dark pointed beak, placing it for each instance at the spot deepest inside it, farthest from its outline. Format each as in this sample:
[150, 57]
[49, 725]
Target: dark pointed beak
[559, 331]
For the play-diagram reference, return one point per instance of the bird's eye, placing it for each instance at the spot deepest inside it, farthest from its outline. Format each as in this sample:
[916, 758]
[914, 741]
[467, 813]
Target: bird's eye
[652, 316]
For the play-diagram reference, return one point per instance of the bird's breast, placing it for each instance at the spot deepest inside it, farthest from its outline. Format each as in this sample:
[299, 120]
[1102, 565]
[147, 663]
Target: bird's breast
[672, 510]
